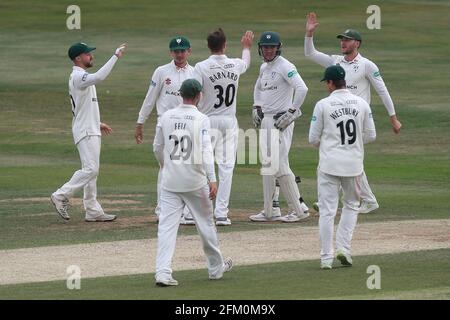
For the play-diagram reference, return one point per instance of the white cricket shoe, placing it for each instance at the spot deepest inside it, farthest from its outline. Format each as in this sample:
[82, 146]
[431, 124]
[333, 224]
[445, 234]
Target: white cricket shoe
[261, 216]
[227, 266]
[167, 282]
[187, 221]
[366, 207]
[326, 264]
[223, 221]
[60, 206]
[344, 258]
[101, 218]
[294, 217]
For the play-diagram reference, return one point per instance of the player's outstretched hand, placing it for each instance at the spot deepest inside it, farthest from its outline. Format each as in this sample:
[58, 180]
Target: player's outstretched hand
[396, 125]
[247, 39]
[311, 24]
[105, 129]
[138, 133]
[212, 190]
[120, 51]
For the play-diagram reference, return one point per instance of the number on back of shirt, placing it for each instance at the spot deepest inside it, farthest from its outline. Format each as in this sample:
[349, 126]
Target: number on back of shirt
[182, 147]
[347, 130]
[225, 95]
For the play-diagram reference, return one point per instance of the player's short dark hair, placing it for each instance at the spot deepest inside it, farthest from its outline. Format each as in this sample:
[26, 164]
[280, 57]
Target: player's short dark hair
[216, 40]
[339, 84]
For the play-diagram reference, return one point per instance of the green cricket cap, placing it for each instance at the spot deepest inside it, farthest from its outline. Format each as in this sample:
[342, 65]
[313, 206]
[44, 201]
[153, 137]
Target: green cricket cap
[179, 43]
[78, 48]
[334, 72]
[350, 34]
[190, 88]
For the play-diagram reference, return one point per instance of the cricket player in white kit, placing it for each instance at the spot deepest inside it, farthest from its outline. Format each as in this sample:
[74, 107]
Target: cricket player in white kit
[87, 130]
[164, 92]
[183, 141]
[340, 126]
[219, 76]
[360, 74]
[278, 95]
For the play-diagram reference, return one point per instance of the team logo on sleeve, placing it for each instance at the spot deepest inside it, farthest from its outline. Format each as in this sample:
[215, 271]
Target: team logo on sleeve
[313, 118]
[376, 74]
[84, 77]
[370, 115]
[292, 73]
[153, 83]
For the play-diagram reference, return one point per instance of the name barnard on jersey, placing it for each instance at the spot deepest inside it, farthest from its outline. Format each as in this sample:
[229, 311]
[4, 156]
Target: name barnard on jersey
[344, 112]
[223, 75]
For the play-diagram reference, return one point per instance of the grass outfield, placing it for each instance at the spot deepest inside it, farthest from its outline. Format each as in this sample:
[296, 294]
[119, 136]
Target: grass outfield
[412, 275]
[409, 173]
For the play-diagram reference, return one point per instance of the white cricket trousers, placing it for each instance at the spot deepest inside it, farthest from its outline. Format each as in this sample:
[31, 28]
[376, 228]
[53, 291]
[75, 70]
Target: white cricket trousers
[278, 161]
[86, 178]
[224, 139]
[328, 191]
[366, 192]
[172, 204]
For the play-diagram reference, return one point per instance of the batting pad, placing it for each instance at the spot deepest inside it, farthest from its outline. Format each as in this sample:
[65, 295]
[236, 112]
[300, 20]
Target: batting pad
[289, 188]
[268, 189]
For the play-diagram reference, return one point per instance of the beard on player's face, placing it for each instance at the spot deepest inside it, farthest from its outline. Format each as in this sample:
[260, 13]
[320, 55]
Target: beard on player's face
[348, 46]
[87, 59]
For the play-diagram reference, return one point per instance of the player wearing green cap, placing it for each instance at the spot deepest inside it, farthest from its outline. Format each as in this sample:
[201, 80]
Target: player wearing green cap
[164, 92]
[340, 126]
[87, 131]
[360, 74]
[183, 142]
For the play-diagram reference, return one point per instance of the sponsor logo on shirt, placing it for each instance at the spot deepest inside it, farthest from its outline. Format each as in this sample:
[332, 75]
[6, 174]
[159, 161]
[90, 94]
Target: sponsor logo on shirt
[292, 73]
[376, 74]
[94, 99]
[352, 87]
[168, 81]
[228, 66]
[173, 93]
[189, 117]
[355, 67]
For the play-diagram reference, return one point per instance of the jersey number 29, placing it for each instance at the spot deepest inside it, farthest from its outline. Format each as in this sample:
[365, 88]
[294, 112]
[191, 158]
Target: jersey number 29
[182, 147]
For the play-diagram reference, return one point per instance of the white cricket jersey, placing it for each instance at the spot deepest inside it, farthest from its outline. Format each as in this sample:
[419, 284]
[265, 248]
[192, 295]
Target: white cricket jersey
[359, 74]
[164, 89]
[183, 140]
[340, 125]
[83, 98]
[279, 87]
[219, 76]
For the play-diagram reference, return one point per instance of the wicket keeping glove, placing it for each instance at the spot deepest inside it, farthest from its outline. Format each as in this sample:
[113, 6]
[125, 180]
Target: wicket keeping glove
[258, 115]
[285, 119]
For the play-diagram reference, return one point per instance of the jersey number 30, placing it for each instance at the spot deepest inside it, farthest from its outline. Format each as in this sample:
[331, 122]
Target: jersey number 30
[230, 93]
[349, 130]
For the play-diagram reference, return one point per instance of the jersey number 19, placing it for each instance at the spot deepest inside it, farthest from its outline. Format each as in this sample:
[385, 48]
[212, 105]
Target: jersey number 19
[349, 129]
